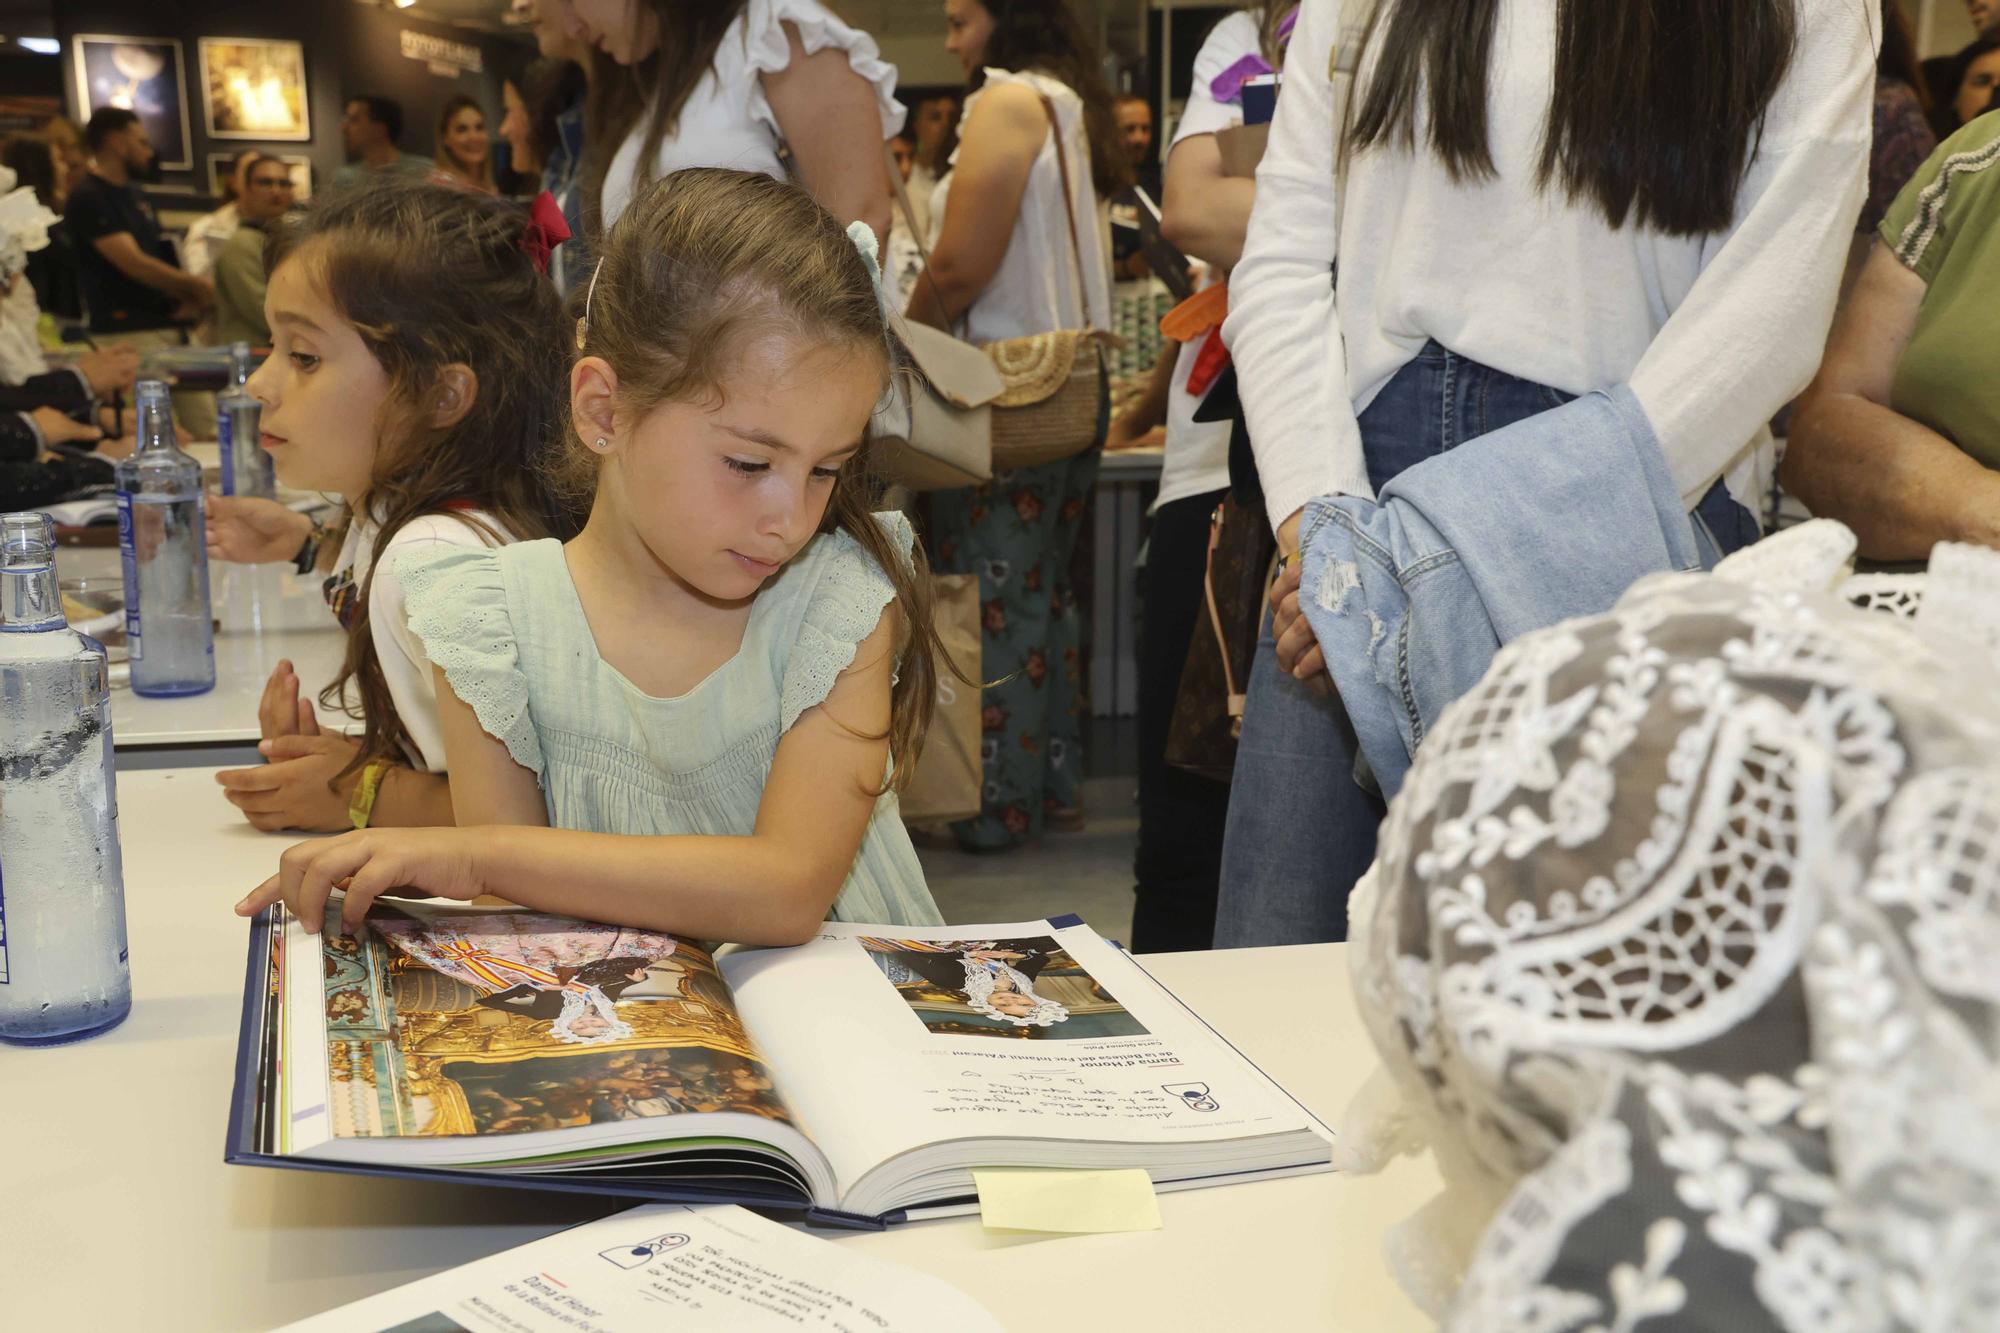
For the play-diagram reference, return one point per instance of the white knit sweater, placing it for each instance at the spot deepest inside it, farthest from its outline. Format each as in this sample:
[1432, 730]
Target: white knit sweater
[1713, 334]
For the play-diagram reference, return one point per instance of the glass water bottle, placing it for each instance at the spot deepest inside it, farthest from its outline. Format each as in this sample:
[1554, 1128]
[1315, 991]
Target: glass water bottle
[63, 972]
[246, 468]
[169, 626]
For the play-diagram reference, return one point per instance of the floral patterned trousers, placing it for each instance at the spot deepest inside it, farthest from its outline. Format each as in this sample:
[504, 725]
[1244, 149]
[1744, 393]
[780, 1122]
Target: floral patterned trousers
[1017, 532]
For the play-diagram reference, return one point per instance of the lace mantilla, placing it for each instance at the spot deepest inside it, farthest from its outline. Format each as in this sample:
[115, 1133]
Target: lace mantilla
[1680, 949]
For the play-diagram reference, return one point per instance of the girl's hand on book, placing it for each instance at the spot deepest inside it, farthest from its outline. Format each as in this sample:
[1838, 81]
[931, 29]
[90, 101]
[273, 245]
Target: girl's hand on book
[429, 862]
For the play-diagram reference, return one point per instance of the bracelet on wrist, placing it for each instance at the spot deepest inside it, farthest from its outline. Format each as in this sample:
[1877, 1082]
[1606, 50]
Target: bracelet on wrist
[361, 806]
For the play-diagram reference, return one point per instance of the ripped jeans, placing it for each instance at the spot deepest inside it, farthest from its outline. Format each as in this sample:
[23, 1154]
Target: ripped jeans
[1301, 830]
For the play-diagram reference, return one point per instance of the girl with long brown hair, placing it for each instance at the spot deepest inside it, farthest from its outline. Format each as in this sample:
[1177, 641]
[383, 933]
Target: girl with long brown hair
[416, 370]
[778, 86]
[1530, 201]
[693, 717]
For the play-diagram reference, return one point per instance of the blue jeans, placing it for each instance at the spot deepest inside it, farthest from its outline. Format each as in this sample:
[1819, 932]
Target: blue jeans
[1301, 830]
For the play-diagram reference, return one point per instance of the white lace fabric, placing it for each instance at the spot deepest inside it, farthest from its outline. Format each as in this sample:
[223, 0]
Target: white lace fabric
[1682, 950]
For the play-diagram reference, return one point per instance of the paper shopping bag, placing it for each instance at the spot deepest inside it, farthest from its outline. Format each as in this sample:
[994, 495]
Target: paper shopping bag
[947, 782]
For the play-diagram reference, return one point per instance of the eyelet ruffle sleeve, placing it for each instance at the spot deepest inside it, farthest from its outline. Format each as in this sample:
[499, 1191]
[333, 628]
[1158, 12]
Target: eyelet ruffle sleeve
[844, 608]
[769, 51]
[457, 604]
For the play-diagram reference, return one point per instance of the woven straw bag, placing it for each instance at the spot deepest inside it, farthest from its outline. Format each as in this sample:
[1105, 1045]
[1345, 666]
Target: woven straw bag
[1048, 409]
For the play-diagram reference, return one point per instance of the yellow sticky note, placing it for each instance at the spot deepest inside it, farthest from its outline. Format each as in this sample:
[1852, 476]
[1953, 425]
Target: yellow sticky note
[1021, 1199]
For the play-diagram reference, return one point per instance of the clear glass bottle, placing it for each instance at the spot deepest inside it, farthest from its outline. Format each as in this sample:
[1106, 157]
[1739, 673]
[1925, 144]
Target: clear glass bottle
[63, 972]
[169, 625]
[246, 596]
[246, 467]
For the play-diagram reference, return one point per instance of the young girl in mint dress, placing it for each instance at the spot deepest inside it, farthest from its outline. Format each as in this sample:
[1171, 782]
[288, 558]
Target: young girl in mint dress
[691, 717]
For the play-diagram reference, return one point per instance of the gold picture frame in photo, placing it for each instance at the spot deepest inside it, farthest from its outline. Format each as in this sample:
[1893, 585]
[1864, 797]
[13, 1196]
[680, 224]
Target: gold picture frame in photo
[255, 88]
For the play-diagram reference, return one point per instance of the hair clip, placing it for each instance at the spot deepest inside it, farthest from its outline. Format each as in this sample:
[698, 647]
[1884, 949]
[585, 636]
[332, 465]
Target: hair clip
[583, 325]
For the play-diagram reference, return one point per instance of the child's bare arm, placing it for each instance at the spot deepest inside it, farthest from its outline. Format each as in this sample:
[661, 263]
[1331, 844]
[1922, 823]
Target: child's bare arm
[487, 785]
[774, 886]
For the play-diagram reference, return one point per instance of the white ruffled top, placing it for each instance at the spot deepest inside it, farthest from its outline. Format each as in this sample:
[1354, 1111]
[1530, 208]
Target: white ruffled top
[728, 121]
[509, 632]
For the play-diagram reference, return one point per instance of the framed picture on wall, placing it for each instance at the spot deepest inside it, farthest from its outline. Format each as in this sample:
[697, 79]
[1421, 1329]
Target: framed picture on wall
[140, 74]
[254, 89]
[297, 163]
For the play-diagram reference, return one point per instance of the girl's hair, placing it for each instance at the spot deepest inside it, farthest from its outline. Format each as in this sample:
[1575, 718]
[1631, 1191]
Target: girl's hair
[1656, 107]
[1044, 35]
[432, 275]
[704, 262]
[655, 89]
[448, 160]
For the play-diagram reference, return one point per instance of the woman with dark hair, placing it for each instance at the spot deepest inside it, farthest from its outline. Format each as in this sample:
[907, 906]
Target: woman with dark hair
[1004, 225]
[1642, 206]
[778, 86]
[464, 148]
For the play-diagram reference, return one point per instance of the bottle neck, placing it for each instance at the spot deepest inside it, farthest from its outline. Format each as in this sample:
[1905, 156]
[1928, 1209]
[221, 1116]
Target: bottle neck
[30, 600]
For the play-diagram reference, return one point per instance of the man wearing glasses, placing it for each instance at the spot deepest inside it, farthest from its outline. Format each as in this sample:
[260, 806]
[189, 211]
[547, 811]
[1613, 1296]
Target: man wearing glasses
[239, 270]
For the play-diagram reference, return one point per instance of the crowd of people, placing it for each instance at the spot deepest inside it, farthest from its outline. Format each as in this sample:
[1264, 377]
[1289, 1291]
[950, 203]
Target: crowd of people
[1513, 301]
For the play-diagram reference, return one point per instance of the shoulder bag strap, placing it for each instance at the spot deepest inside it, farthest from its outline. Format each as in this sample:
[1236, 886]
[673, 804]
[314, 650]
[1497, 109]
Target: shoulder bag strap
[1069, 206]
[923, 250]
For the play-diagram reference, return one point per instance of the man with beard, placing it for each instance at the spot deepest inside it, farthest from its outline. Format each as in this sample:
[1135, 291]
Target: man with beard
[132, 282]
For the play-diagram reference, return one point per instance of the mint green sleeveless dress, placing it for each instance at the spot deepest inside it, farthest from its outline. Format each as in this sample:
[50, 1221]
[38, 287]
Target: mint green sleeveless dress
[508, 630]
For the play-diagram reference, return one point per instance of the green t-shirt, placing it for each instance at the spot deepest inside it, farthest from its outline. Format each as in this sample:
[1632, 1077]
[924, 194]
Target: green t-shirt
[408, 164]
[1945, 227]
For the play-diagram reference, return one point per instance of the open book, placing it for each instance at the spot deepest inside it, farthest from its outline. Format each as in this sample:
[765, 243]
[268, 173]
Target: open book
[861, 1076]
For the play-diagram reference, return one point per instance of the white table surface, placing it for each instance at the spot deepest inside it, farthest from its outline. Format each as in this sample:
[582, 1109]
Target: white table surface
[305, 635]
[121, 1213]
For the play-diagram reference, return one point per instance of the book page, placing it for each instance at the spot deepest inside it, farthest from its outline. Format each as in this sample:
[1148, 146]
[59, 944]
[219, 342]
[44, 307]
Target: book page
[686, 1269]
[893, 1038]
[474, 1036]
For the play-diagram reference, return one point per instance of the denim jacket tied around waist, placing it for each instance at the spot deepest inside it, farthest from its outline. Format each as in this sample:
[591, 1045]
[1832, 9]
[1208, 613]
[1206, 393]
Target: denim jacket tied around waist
[1411, 594]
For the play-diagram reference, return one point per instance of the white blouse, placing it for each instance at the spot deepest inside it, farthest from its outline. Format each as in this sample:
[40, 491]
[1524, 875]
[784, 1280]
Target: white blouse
[406, 667]
[1712, 333]
[727, 121]
[1035, 288]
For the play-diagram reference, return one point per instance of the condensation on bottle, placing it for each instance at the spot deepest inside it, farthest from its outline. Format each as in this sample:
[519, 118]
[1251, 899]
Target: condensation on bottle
[64, 972]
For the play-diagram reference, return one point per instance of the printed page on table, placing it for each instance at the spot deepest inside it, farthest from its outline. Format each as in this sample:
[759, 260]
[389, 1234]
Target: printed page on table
[890, 1039]
[443, 1035]
[686, 1269]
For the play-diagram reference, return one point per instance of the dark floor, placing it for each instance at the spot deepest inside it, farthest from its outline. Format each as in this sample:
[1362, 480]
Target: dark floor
[1088, 873]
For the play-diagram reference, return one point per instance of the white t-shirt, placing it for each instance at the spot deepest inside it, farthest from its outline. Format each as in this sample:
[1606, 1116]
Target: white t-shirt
[1197, 459]
[727, 121]
[404, 666]
[206, 236]
[1713, 334]
[1035, 288]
